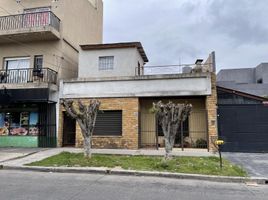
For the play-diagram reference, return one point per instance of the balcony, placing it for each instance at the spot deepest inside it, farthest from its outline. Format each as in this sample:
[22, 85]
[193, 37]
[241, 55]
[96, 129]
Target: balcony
[27, 76]
[29, 27]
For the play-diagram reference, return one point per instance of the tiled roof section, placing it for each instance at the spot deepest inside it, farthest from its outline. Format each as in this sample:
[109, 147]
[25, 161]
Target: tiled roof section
[137, 45]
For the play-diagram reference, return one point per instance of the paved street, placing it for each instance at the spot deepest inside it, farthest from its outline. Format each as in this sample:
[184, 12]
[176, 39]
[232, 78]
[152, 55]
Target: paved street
[255, 163]
[18, 185]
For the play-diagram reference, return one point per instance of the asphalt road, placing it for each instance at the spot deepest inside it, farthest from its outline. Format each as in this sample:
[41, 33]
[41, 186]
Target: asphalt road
[256, 164]
[17, 185]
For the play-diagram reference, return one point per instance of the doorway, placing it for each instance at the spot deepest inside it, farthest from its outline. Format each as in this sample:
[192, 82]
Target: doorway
[69, 126]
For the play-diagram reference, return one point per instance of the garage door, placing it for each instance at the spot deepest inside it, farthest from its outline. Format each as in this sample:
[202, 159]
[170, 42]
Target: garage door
[244, 127]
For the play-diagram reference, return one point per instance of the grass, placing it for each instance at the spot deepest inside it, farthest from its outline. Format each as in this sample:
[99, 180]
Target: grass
[192, 165]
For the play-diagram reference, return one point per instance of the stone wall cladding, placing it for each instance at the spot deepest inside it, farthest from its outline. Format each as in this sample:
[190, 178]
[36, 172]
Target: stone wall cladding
[211, 106]
[129, 138]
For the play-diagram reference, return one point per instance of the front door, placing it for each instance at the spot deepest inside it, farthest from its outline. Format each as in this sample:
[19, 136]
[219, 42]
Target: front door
[68, 130]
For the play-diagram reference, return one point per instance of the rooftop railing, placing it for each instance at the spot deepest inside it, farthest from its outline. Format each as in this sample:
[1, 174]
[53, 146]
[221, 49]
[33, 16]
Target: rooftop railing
[29, 20]
[172, 69]
[28, 75]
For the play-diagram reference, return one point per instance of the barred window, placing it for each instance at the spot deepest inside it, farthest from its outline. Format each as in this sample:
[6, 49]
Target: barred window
[106, 62]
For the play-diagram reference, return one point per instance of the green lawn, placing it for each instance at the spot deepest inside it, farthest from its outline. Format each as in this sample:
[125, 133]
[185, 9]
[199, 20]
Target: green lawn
[193, 165]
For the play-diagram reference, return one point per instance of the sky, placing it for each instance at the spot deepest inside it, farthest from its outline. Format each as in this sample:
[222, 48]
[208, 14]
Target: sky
[180, 31]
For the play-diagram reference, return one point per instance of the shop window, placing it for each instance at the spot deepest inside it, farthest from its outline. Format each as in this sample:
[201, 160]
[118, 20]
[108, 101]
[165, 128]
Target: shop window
[19, 123]
[33, 124]
[3, 125]
[108, 122]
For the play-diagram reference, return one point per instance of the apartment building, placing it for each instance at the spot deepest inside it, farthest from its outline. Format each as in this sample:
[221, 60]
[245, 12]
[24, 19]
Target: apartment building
[39, 46]
[116, 75]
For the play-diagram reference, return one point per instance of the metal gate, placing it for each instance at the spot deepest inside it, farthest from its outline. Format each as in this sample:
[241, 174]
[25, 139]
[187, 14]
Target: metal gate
[47, 125]
[244, 127]
[194, 130]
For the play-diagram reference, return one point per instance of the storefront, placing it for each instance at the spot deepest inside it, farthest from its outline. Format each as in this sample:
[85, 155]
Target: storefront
[27, 122]
[19, 125]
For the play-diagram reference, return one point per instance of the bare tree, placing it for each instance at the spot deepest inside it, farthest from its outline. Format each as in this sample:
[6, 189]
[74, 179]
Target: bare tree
[86, 118]
[170, 116]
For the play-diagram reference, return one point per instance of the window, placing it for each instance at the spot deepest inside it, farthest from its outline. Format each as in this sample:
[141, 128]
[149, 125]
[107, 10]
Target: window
[259, 81]
[17, 69]
[106, 63]
[17, 63]
[24, 123]
[108, 122]
[38, 62]
[139, 69]
[36, 17]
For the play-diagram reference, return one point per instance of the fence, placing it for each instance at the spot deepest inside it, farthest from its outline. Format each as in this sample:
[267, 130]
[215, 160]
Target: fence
[172, 69]
[28, 75]
[194, 131]
[29, 20]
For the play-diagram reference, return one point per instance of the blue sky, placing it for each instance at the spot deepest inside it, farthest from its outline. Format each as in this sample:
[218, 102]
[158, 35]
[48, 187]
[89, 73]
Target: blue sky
[179, 31]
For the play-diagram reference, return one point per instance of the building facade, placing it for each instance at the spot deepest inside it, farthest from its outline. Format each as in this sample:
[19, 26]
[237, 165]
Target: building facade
[249, 80]
[39, 47]
[117, 76]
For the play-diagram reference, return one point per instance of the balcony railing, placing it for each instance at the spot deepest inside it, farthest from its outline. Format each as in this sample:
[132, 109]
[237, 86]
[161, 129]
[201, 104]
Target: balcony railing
[172, 69]
[28, 75]
[29, 20]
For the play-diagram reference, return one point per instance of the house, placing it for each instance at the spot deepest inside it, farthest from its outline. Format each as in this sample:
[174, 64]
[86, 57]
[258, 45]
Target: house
[38, 47]
[248, 80]
[117, 75]
[242, 121]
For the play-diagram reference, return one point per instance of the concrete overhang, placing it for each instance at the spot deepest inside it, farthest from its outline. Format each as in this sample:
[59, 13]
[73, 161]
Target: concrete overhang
[36, 85]
[191, 84]
[43, 33]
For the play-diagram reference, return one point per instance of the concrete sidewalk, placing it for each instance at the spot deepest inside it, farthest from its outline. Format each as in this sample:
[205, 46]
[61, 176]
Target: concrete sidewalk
[7, 154]
[40, 155]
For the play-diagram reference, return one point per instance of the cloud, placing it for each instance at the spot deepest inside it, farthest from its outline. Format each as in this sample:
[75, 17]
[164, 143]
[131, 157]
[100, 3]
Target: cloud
[177, 31]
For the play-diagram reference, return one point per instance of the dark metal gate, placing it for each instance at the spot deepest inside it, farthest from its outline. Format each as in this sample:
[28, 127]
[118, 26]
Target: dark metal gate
[244, 127]
[47, 125]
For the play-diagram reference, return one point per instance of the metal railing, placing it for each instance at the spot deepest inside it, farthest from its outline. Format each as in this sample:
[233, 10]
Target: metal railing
[29, 20]
[172, 69]
[195, 133]
[28, 75]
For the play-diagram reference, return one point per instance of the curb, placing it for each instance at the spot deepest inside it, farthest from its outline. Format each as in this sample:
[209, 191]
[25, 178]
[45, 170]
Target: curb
[107, 171]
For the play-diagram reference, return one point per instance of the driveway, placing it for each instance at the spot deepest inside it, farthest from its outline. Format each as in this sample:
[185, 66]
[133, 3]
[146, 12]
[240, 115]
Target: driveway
[256, 164]
[13, 153]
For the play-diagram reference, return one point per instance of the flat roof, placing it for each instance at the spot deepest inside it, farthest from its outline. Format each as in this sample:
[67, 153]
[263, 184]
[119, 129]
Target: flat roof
[137, 45]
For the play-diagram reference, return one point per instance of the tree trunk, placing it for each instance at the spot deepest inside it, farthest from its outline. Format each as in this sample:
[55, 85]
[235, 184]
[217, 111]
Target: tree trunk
[87, 147]
[168, 149]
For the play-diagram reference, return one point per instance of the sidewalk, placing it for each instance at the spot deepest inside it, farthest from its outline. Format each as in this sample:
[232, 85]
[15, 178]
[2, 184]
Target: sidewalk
[15, 153]
[40, 155]
[19, 164]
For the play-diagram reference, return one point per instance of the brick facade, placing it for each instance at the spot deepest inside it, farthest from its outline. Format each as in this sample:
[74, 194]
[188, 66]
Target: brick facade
[211, 106]
[130, 127]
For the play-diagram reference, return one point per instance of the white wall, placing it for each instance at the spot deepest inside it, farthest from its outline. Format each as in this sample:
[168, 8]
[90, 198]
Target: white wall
[125, 62]
[145, 86]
